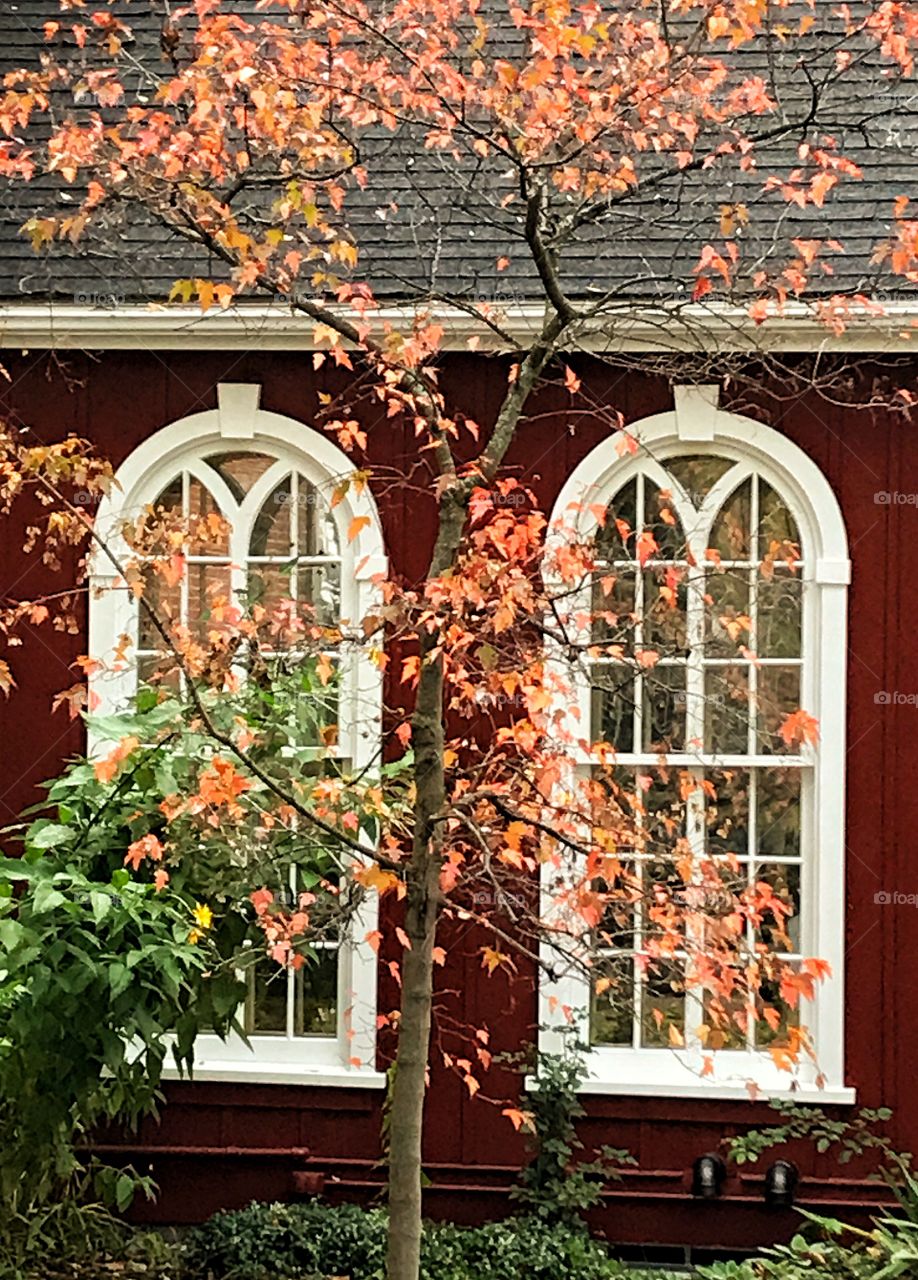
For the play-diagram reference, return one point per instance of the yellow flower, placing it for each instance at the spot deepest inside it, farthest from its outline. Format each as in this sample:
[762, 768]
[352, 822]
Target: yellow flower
[195, 936]
[203, 915]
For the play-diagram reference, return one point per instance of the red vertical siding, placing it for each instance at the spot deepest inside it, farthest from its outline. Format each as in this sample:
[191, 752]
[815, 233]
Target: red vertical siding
[117, 399]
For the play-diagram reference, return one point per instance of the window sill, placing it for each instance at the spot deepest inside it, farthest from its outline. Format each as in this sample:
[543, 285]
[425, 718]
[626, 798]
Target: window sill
[714, 1091]
[264, 1072]
[612, 1074]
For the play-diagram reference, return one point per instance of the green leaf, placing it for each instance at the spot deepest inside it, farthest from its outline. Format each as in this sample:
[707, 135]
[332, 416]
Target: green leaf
[11, 933]
[119, 976]
[50, 836]
[124, 1192]
[46, 898]
[101, 904]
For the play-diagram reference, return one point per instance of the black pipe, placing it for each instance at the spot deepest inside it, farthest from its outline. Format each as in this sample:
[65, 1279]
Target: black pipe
[781, 1184]
[709, 1173]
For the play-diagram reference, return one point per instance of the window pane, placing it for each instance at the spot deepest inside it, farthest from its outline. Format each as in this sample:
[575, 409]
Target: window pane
[663, 816]
[165, 600]
[779, 614]
[266, 1002]
[664, 709]
[727, 621]
[240, 471]
[697, 474]
[777, 696]
[170, 500]
[317, 533]
[778, 816]
[661, 520]
[664, 622]
[778, 931]
[781, 1014]
[272, 533]
[663, 1005]
[726, 1021]
[319, 586]
[610, 544]
[615, 805]
[776, 524]
[727, 812]
[613, 706]
[726, 710]
[617, 927]
[316, 995]
[612, 1003]
[206, 525]
[209, 590]
[730, 536]
[613, 608]
[268, 584]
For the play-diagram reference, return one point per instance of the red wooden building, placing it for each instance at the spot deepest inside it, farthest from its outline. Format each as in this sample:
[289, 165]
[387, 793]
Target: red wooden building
[182, 405]
[243, 1133]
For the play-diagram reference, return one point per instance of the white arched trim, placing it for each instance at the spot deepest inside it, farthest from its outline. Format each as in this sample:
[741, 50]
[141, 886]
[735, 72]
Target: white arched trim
[236, 426]
[776, 458]
[697, 426]
[239, 425]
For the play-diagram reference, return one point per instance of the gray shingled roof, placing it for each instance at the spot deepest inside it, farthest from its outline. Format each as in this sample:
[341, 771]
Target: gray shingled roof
[449, 229]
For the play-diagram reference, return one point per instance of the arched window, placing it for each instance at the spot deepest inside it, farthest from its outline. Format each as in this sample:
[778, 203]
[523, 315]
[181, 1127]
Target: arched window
[717, 607]
[271, 480]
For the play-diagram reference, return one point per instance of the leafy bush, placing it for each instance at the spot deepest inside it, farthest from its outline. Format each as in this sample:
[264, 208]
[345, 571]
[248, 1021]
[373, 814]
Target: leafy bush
[889, 1251]
[94, 978]
[558, 1183]
[845, 1138]
[296, 1242]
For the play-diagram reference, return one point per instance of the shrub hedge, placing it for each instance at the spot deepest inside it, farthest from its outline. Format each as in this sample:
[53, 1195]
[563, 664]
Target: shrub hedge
[312, 1240]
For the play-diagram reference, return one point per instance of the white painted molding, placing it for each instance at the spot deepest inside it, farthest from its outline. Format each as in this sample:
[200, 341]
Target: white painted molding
[184, 446]
[688, 327]
[776, 457]
[237, 406]
[696, 411]
[780, 462]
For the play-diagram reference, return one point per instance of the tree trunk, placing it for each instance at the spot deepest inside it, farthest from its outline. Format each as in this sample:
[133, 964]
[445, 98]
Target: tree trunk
[408, 1095]
[406, 1105]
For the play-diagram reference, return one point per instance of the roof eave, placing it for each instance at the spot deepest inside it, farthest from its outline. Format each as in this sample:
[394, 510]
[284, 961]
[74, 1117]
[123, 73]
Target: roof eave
[682, 328]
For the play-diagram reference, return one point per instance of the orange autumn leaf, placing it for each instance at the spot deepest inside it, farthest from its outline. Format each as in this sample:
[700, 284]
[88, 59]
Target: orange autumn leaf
[519, 1119]
[378, 878]
[645, 546]
[220, 784]
[354, 528]
[6, 678]
[492, 959]
[172, 570]
[106, 769]
[147, 846]
[798, 728]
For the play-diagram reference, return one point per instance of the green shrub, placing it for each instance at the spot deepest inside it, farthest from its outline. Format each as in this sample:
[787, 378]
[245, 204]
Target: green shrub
[888, 1251]
[302, 1241]
[560, 1182]
[281, 1240]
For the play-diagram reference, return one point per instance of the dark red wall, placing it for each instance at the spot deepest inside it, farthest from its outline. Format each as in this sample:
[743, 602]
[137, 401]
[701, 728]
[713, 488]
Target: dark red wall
[117, 399]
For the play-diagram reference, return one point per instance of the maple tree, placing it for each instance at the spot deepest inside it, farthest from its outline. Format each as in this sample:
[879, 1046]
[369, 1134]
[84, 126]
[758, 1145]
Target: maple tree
[249, 140]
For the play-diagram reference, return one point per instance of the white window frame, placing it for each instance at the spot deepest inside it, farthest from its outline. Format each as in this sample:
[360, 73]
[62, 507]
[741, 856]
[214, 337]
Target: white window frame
[698, 426]
[239, 424]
